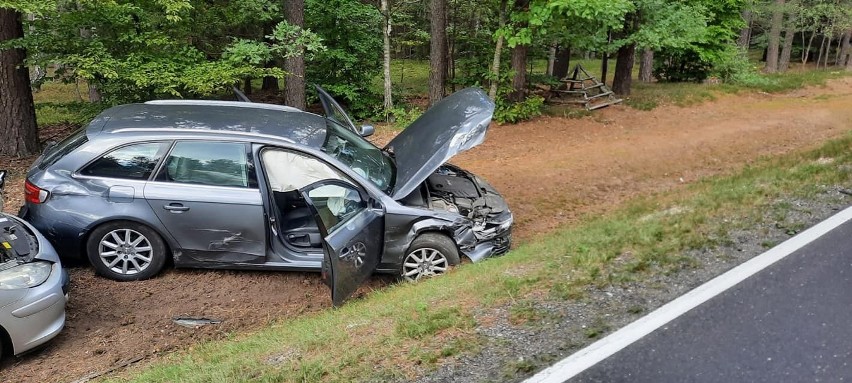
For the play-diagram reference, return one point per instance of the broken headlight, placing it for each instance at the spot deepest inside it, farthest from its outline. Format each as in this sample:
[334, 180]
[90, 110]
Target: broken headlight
[25, 275]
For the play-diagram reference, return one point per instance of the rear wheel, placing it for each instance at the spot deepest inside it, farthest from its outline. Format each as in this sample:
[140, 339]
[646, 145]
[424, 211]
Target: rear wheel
[430, 254]
[126, 251]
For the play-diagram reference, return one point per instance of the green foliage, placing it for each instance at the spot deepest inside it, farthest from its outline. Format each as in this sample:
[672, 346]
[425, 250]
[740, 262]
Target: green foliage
[403, 117]
[76, 113]
[513, 112]
[679, 65]
[139, 50]
[351, 32]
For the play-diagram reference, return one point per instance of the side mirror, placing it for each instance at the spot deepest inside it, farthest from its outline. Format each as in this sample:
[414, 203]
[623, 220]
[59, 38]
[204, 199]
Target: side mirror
[367, 130]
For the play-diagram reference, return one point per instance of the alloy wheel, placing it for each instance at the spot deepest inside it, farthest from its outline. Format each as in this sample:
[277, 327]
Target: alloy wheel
[125, 251]
[424, 263]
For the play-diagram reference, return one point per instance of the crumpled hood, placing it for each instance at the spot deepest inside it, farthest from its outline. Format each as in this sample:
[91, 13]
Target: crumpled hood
[453, 125]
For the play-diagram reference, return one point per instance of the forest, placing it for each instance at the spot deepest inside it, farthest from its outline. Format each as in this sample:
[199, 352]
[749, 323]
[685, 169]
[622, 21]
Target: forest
[120, 51]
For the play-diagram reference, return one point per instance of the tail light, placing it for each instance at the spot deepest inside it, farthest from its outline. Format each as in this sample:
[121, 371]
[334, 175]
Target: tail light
[34, 194]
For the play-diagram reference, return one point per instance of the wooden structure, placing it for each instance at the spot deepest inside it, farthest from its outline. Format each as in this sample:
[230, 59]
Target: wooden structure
[584, 89]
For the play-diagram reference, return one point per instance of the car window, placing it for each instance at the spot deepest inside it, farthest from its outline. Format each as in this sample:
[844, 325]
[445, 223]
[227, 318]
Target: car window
[336, 204]
[207, 163]
[360, 155]
[134, 162]
[68, 145]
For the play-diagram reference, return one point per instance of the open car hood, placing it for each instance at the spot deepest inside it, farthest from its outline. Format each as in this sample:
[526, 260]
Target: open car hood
[453, 125]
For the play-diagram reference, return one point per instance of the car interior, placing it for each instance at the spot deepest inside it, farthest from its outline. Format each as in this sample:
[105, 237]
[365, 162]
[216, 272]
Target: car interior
[286, 173]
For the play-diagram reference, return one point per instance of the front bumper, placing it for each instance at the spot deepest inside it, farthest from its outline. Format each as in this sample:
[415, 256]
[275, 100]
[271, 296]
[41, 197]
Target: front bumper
[495, 240]
[39, 315]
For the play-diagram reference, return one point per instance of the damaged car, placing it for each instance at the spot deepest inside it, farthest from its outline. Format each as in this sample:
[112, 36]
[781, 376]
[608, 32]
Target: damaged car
[33, 286]
[242, 185]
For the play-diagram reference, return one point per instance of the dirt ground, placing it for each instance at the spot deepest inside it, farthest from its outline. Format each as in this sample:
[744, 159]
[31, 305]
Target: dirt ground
[551, 170]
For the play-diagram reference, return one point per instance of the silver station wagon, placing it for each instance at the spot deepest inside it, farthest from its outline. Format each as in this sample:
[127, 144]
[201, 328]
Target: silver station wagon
[241, 185]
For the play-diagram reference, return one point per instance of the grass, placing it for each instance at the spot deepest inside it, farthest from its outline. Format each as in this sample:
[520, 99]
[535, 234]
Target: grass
[413, 327]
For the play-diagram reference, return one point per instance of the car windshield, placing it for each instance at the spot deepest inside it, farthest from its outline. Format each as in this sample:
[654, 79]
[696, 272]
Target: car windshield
[360, 155]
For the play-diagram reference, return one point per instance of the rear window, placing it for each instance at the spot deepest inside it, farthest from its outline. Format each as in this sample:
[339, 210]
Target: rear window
[68, 145]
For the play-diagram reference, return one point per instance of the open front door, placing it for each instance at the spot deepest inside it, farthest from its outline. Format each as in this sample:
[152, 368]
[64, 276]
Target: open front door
[352, 231]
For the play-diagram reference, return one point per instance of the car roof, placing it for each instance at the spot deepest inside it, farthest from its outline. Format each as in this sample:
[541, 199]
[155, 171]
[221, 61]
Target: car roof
[222, 118]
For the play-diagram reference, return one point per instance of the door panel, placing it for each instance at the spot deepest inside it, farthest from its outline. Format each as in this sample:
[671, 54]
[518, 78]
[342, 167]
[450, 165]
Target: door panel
[206, 196]
[353, 246]
[211, 224]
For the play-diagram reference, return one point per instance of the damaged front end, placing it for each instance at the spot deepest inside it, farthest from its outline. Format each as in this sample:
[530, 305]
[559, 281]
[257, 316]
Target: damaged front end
[489, 229]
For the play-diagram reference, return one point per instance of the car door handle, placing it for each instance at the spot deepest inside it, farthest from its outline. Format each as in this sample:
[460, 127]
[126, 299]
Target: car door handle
[176, 207]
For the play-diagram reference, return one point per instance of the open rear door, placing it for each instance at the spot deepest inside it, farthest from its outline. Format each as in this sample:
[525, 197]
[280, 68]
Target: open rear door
[352, 231]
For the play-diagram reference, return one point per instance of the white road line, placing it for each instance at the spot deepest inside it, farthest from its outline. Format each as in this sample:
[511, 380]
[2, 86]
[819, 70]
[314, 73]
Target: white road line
[602, 349]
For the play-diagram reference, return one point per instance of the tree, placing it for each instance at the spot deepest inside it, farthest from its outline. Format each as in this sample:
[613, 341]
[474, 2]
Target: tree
[351, 58]
[519, 59]
[626, 55]
[646, 65]
[386, 56]
[294, 87]
[17, 111]
[498, 51]
[775, 26]
[437, 50]
[789, 36]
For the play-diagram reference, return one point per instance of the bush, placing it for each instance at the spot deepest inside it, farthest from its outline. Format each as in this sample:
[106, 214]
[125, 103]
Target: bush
[513, 112]
[676, 65]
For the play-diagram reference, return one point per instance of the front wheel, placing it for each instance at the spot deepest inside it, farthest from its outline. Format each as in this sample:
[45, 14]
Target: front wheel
[430, 254]
[126, 251]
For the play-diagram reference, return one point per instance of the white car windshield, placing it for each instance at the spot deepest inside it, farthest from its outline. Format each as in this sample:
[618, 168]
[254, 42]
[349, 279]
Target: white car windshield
[360, 155]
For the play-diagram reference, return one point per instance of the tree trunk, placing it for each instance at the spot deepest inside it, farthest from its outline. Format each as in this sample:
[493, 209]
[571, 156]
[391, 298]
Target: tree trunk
[519, 69]
[808, 49]
[551, 58]
[451, 45]
[270, 83]
[605, 59]
[623, 78]
[247, 85]
[827, 50]
[498, 50]
[519, 60]
[17, 111]
[775, 27]
[437, 50]
[294, 87]
[789, 35]
[562, 63]
[846, 51]
[646, 66]
[745, 34]
[386, 62]
[821, 50]
[94, 92]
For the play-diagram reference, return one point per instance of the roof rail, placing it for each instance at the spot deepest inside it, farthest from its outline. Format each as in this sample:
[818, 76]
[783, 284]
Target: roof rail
[238, 104]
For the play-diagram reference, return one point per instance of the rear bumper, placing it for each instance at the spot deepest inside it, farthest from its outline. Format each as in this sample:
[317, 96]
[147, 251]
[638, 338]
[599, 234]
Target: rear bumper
[39, 315]
[65, 239]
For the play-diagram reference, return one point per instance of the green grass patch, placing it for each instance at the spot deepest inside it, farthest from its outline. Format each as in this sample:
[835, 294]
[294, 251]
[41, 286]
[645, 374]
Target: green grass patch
[412, 327]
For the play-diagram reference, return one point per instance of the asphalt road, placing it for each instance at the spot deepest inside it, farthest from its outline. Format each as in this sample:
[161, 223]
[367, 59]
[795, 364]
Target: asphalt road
[790, 322]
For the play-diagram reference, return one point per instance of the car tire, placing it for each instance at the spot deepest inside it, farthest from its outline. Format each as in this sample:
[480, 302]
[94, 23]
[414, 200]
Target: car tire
[430, 254]
[126, 251]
